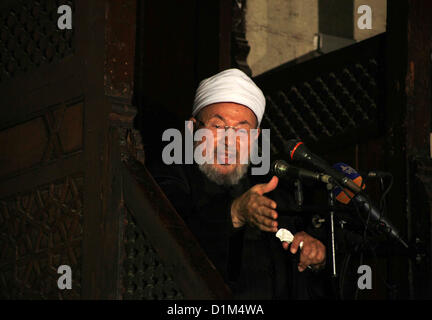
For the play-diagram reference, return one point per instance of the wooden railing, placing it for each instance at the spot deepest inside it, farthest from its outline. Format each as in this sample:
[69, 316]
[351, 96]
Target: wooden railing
[159, 256]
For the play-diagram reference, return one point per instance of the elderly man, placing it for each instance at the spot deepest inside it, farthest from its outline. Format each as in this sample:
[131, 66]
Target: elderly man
[233, 214]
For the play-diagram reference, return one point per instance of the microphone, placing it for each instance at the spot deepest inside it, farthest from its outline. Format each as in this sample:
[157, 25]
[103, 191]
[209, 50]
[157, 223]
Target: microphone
[363, 202]
[282, 169]
[344, 196]
[299, 152]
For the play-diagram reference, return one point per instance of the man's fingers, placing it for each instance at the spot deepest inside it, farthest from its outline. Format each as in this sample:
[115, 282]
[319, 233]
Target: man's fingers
[302, 267]
[306, 253]
[296, 242]
[264, 201]
[320, 255]
[267, 229]
[264, 227]
[269, 213]
[312, 253]
[271, 185]
[307, 256]
[266, 187]
[264, 223]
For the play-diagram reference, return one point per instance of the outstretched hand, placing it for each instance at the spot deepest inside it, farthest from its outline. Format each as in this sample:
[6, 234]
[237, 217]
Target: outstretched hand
[256, 209]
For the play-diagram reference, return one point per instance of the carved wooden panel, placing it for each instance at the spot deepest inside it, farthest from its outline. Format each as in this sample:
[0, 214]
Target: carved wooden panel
[327, 105]
[144, 274]
[40, 230]
[119, 59]
[29, 36]
[22, 145]
[57, 132]
[421, 227]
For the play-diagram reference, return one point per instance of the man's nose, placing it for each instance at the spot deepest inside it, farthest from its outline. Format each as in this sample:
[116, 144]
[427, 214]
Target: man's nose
[229, 134]
[230, 138]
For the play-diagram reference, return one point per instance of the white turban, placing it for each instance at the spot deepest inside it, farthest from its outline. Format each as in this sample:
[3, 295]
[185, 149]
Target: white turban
[231, 85]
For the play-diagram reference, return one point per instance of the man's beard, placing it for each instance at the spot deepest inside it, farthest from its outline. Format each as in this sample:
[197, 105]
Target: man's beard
[228, 179]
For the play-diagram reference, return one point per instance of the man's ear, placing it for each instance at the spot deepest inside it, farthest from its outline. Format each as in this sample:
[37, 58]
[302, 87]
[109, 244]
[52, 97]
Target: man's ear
[256, 134]
[194, 120]
[192, 124]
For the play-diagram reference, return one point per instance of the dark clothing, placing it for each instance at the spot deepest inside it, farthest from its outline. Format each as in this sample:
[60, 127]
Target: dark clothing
[252, 262]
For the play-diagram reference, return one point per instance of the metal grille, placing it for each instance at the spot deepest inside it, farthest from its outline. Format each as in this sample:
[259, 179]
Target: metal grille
[324, 100]
[29, 36]
[144, 274]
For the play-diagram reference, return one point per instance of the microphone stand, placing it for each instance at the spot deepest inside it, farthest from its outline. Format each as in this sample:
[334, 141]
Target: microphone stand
[332, 208]
[331, 203]
[298, 193]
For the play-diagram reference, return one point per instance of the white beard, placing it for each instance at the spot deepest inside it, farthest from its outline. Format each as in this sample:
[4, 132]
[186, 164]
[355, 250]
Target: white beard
[229, 179]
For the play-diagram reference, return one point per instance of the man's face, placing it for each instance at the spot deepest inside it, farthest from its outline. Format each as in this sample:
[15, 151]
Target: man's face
[216, 117]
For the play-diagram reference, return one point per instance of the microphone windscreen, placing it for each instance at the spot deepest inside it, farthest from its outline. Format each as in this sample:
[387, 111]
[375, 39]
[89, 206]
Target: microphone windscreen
[344, 195]
[291, 147]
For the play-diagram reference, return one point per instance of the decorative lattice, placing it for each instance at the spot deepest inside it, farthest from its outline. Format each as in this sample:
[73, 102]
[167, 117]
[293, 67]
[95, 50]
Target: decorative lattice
[326, 103]
[29, 36]
[144, 275]
[39, 231]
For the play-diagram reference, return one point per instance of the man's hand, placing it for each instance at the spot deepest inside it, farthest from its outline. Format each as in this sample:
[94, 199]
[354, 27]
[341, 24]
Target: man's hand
[254, 208]
[313, 252]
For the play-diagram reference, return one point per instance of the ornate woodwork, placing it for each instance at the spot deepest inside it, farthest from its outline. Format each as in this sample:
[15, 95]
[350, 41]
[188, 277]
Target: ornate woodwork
[56, 133]
[29, 38]
[330, 100]
[144, 275]
[40, 230]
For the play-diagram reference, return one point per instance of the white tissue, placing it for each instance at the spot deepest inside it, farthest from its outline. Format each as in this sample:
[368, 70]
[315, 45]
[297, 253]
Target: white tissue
[287, 236]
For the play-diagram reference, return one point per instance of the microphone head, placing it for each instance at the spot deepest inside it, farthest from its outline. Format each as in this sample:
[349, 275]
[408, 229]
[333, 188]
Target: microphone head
[294, 147]
[344, 195]
[279, 168]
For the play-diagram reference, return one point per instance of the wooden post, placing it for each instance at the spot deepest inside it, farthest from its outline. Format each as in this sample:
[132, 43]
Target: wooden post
[409, 113]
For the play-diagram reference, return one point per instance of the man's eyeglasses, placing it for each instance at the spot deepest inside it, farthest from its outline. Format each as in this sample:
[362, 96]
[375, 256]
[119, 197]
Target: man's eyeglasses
[217, 124]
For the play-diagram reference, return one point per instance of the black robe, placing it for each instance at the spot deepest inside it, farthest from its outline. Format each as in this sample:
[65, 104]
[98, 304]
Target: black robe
[252, 262]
